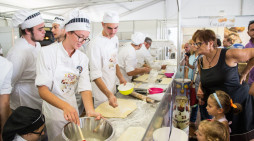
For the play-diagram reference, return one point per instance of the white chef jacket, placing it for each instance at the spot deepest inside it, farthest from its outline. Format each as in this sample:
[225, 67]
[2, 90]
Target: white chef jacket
[5, 76]
[23, 57]
[64, 76]
[143, 56]
[18, 138]
[102, 53]
[127, 60]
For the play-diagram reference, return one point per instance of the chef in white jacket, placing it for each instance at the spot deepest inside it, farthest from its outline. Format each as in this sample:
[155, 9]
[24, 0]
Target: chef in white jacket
[127, 57]
[5, 90]
[104, 70]
[144, 57]
[23, 56]
[62, 70]
[143, 54]
[57, 29]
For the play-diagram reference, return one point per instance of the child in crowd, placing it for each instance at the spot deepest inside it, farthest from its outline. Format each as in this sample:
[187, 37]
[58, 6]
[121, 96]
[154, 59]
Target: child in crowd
[220, 103]
[24, 124]
[212, 131]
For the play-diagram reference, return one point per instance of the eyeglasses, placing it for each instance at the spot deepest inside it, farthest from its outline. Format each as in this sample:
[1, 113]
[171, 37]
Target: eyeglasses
[81, 39]
[192, 44]
[39, 133]
[199, 44]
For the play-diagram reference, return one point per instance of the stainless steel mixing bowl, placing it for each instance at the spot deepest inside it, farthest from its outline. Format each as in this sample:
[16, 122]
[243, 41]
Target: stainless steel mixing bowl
[93, 130]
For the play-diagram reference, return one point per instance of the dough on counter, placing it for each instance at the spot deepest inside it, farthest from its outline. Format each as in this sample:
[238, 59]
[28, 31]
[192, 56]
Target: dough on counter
[124, 108]
[165, 80]
[159, 76]
[136, 85]
[132, 134]
[142, 78]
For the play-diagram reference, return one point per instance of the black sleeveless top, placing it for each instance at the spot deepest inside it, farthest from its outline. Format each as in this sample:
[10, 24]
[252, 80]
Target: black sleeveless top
[225, 78]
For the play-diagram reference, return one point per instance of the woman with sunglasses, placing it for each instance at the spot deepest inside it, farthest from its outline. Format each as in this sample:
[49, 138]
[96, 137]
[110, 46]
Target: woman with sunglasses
[24, 124]
[219, 71]
[62, 71]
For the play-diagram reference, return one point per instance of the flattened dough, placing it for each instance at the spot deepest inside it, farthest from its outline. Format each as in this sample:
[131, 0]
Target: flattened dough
[159, 76]
[144, 78]
[165, 80]
[125, 107]
[132, 134]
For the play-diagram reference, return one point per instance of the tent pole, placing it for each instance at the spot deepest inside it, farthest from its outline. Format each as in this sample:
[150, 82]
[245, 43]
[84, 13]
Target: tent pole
[178, 34]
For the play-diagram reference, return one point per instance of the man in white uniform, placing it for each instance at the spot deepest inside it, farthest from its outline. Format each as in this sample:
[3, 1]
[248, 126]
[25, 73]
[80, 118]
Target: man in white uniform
[143, 55]
[5, 90]
[57, 29]
[102, 52]
[23, 57]
[127, 57]
[62, 71]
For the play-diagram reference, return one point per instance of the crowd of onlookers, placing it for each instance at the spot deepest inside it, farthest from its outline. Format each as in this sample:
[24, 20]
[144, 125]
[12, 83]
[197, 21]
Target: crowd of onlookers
[224, 99]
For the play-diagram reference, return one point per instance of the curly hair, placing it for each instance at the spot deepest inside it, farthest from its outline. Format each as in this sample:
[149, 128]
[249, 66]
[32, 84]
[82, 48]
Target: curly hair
[214, 130]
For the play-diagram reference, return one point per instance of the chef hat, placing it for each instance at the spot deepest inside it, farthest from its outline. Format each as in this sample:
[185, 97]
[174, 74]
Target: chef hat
[138, 38]
[77, 20]
[23, 120]
[111, 17]
[27, 18]
[58, 20]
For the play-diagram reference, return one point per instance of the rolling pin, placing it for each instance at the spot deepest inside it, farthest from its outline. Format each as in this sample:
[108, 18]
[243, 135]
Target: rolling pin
[142, 97]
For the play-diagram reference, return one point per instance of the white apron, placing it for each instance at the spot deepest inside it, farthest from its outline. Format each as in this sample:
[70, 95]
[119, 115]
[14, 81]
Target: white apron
[109, 77]
[65, 81]
[127, 61]
[6, 69]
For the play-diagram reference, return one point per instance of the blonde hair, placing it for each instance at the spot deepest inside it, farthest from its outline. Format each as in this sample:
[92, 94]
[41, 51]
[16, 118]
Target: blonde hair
[191, 42]
[225, 102]
[214, 130]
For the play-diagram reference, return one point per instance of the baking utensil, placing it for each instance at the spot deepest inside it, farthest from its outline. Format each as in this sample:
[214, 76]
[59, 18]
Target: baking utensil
[81, 134]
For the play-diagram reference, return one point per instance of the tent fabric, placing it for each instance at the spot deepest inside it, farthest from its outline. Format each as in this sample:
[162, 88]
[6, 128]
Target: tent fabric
[133, 9]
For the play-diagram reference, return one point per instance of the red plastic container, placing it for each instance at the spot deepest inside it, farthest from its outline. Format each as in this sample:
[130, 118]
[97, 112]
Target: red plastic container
[169, 75]
[155, 90]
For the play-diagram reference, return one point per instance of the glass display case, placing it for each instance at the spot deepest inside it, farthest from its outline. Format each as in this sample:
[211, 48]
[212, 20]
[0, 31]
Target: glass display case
[172, 114]
[162, 116]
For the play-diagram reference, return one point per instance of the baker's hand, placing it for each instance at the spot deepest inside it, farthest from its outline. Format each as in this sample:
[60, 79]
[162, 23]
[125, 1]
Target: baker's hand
[122, 81]
[94, 114]
[70, 114]
[163, 67]
[112, 101]
[146, 69]
[242, 78]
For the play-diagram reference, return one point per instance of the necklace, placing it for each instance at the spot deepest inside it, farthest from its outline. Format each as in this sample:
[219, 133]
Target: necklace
[212, 59]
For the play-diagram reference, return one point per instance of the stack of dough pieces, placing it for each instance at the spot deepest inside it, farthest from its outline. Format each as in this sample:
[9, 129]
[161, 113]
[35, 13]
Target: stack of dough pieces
[125, 107]
[165, 81]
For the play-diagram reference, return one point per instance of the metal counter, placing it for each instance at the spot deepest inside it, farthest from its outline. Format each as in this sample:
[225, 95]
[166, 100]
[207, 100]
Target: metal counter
[141, 117]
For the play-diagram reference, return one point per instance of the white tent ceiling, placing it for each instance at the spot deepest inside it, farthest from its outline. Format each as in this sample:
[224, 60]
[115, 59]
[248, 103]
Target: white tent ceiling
[133, 9]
